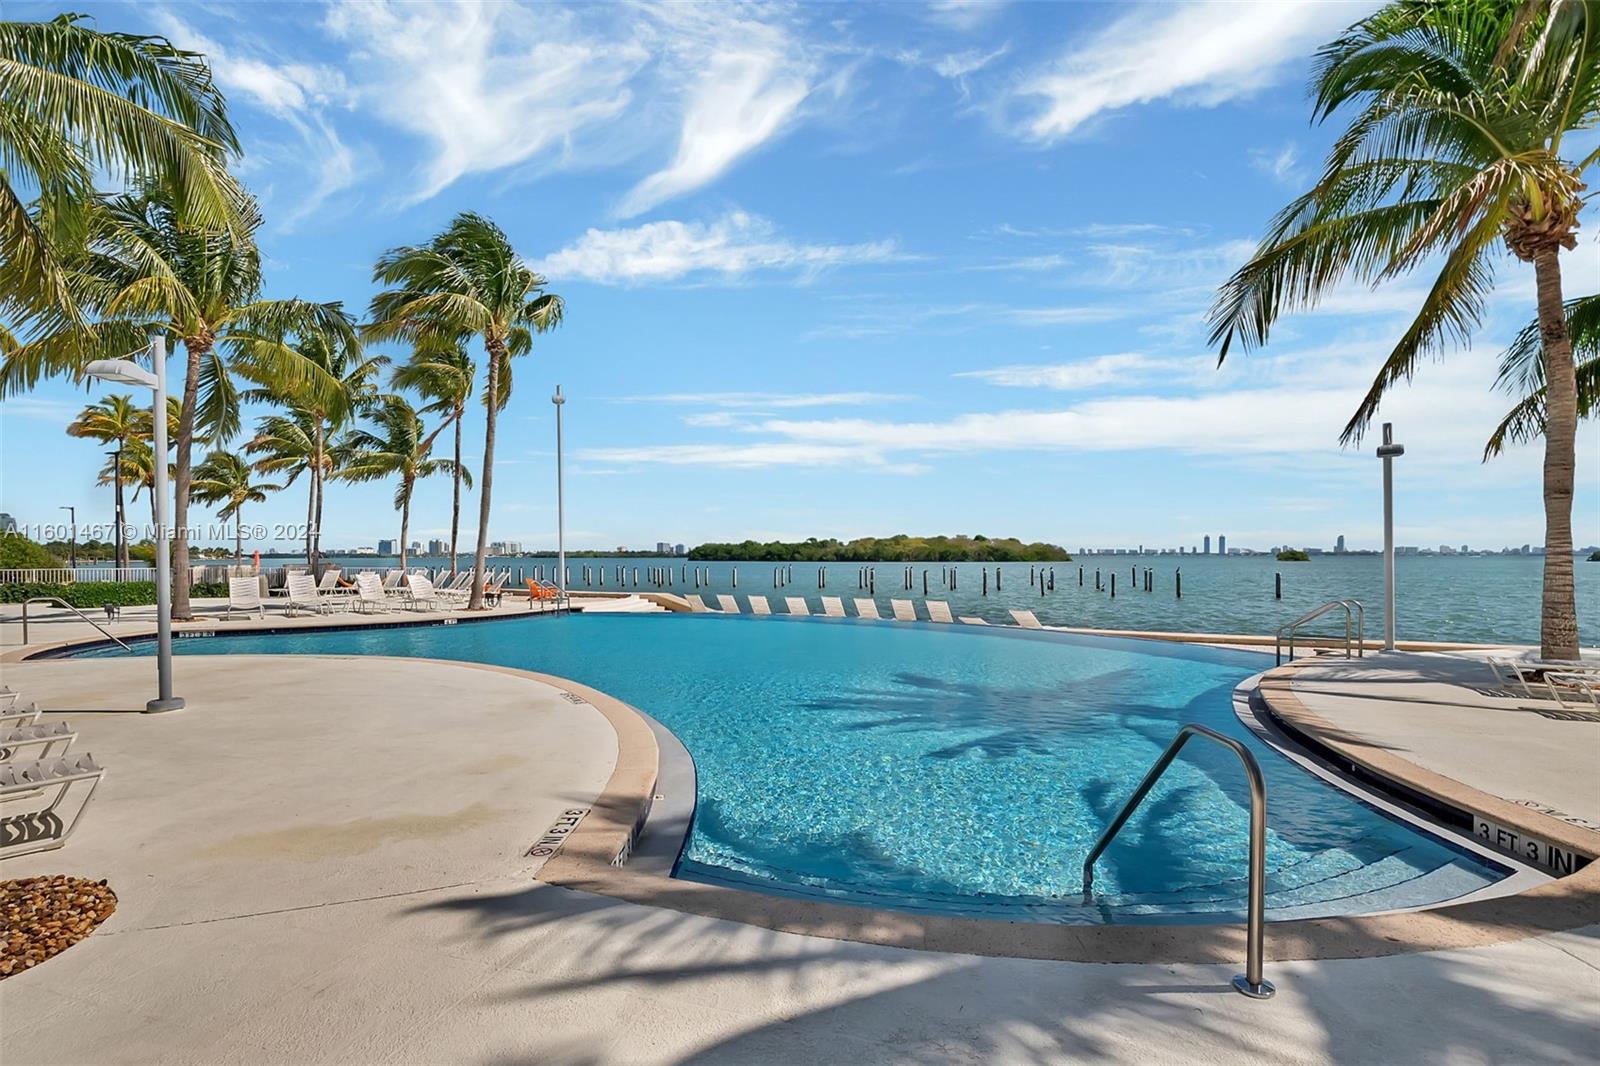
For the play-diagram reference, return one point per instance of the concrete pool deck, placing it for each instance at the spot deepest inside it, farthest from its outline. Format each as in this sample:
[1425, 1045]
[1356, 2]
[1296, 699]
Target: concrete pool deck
[344, 879]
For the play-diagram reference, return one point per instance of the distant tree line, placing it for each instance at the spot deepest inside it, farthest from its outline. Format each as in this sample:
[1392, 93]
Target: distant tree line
[958, 549]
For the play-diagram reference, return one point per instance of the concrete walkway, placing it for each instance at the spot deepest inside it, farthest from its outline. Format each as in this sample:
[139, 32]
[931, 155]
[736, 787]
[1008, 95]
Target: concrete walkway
[324, 862]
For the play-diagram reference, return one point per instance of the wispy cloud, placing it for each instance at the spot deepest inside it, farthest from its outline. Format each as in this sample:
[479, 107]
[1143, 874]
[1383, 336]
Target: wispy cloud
[734, 245]
[769, 399]
[1199, 54]
[965, 15]
[1282, 165]
[1121, 368]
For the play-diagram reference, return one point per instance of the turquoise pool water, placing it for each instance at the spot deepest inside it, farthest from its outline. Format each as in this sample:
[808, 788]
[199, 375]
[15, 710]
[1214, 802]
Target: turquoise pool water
[953, 769]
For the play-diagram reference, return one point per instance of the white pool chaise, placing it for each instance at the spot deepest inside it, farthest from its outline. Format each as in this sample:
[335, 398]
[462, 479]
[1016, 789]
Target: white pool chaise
[938, 611]
[696, 604]
[796, 605]
[1026, 619]
[727, 604]
[833, 607]
[904, 610]
[760, 605]
[866, 608]
[244, 596]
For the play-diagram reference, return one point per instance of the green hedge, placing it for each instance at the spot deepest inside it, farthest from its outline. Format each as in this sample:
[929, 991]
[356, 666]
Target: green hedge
[18, 552]
[102, 593]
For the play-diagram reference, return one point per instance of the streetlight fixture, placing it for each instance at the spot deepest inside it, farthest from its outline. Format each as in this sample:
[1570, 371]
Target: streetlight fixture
[72, 515]
[127, 372]
[561, 503]
[1388, 451]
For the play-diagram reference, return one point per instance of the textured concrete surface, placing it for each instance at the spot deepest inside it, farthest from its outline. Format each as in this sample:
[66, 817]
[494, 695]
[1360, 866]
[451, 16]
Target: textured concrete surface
[1440, 712]
[326, 865]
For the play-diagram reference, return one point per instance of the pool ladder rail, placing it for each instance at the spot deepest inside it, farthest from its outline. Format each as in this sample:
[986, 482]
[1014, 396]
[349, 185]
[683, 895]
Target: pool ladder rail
[1249, 983]
[61, 602]
[1355, 620]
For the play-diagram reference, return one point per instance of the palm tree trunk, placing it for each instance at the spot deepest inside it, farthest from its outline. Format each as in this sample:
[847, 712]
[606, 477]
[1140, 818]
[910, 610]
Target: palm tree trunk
[195, 348]
[1558, 620]
[316, 543]
[496, 352]
[405, 521]
[311, 509]
[122, 512]
[314, 519]
[455, 503]
[238, 537]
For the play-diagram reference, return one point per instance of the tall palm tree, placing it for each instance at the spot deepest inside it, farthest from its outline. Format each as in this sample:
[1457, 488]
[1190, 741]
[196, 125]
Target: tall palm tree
[289, 444]
[1453, 154]
[347, 389]
[75, 102]
[227, 479]
[149, 265]
[444, 378]
[113, 420]
[398, 449]
[467, 281]
[1522, 373]
[137, 458]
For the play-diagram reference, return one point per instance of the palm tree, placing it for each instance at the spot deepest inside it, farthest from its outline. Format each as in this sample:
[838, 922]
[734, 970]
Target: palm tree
[1522, 373]
[445, 378]
[226, 479]
[467, 281]
[348, 388]
[75, 102]
[114, 420]
[290, 444]
[1454, 148]
[398, 449]
[149, 265]
[137, 458]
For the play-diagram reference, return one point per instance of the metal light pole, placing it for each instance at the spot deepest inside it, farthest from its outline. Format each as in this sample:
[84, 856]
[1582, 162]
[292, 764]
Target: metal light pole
[72, 514]
[124, 372]
[561, 502]
[1388, 451]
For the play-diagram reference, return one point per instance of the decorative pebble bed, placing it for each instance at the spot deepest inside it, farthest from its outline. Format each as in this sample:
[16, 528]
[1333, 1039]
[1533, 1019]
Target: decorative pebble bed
[45, 916]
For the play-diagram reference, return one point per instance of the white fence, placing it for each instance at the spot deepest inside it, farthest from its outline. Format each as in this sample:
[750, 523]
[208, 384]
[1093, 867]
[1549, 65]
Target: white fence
[66, 575]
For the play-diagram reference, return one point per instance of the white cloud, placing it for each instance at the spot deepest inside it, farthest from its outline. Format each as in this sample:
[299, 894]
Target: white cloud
[745, 81]
[1200, 54]
[963, 15]
[488, 86]
[1282, 165]
[1117, 368]
[751, 456]
[736, 244]
[770, 399]
[1062, 316]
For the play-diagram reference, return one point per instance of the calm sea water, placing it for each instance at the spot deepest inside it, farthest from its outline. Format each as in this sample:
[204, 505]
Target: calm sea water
[1487, 598]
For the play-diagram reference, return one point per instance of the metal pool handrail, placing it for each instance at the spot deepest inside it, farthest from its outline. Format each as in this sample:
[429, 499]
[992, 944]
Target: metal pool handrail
[74, 610]
[1359, 618]
[1250, 983]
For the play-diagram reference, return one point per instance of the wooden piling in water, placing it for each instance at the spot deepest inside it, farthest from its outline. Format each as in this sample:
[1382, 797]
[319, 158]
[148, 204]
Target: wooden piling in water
[1113, 584]
[1277, 585]
[1177, 576]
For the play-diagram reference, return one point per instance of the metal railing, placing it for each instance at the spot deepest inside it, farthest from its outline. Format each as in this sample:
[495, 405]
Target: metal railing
[1354, 615]
[1250, 983]
[74, 610]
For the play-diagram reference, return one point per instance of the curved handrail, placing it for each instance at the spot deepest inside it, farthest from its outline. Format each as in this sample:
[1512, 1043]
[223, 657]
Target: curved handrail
[1354, 613]
[1251, 983]
[70, 607]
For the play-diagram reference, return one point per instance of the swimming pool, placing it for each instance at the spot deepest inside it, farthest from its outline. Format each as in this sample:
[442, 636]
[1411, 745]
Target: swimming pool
[956, 770]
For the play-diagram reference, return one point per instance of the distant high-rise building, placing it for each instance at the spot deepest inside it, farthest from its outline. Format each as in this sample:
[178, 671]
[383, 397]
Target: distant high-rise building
[680, 550]
[663, 548]
[385, 547]
[1338, 545]
[1208, 545]
[1222, 544]
[437, 547]
[7, 524]
[416, 545]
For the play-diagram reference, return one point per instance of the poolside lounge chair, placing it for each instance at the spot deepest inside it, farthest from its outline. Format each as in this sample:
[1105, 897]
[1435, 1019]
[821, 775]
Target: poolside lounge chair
[727, 604]
[796, 605]
[391, 580]
[938, 611]
[8, 697]
[1553, 676]
[1026, 619]
[370, 596]
[866, 608]
[904, 610]
[36, 740]
[696, 604]
[19, 714]
[303, 595]
[43, 828]
[491, 590]
[540, 594]
[833, 606]
[422, 594]
[760, 605]
[330, 580]
[973, 620]
[244, 595]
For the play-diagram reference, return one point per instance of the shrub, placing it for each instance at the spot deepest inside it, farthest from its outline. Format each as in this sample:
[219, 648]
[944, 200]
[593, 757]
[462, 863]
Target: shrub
[1293, 555]
[18, 552]
[102, 593]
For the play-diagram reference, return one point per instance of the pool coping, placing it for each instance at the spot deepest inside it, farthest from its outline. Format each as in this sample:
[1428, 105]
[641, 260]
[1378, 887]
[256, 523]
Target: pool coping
[593, 859]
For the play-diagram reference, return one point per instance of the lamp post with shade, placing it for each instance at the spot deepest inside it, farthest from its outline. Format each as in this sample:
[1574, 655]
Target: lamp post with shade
[127, 372]
[1388, 451]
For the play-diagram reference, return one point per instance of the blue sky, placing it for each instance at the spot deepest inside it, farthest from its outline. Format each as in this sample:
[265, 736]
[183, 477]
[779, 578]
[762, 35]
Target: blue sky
[850, 270]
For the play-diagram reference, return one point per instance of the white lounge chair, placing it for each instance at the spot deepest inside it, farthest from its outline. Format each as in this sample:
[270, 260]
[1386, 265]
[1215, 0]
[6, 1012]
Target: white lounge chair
[422, 594]
[369, 595]
[391, 580]
[866, 608]
[8, 697]
[330, 580]
[36, 740]
[760, 605]
[796, 605]
[19, 714]
[244, 595]
[727, 604]
[1026, 619]
[938, 611]
[303, 595]
[973, 620]
[1553, 675]
[696, 604]
[833, 607]
[904, 610]
[43, 828]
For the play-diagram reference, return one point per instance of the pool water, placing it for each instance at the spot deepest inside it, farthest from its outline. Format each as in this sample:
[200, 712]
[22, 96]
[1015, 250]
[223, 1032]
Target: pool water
[957, 769]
